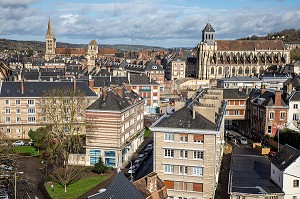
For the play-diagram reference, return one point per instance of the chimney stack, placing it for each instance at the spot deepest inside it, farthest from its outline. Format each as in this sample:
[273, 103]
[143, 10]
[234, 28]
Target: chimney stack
[277, 98]
[152, 182]
[91, 83]
[74, 83]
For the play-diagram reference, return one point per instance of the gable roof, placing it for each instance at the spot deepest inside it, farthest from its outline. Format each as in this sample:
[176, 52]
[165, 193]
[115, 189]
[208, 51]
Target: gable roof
[295, 96]
[249, 45]
[114, 102]
[208, 28]
[120, 188]
[183, 118]
[285, 157]
[140, 79]
[39, 89]
[234, 93]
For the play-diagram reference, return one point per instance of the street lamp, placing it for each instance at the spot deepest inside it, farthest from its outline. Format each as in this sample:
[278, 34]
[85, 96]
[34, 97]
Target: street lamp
[20, 172]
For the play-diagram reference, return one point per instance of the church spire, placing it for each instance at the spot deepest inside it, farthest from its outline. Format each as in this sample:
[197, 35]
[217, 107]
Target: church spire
[49, 31]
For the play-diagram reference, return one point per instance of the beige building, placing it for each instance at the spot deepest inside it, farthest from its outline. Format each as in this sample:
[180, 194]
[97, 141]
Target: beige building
[178, 69]
[115, 127]
[20, 104]
[188, 147]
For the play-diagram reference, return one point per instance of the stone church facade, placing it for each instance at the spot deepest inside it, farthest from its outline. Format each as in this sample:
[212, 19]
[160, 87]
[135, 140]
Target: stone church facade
[227, 58]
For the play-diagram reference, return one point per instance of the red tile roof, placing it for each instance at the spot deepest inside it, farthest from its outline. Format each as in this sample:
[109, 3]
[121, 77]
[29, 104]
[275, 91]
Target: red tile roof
[70, 51]
[249, 45]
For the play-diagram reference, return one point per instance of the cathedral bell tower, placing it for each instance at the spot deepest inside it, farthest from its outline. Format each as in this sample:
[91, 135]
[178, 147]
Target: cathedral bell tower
[208, 34]
[50, 42]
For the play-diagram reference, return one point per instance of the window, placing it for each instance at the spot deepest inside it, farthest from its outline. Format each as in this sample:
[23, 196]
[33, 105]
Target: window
[169, 168]
[110, 153]
[236, 112]
[169, 184]
[7, 102]
[18, 102]
[169, 136]
[18, 119]
[296, 183]
[7, 111]
[295, 116]
[7, 119]
[8, 130]
[169, 153]
[94, 160]
[198, 154]
[30, 102]
[31, 119]
[282, 115]
[184, 154]
[18, 130]
[295, 106]
[183, 170]
[294, 197]
[198, 171]
[183, 137]
[111, 162]
[31, 111]
[227, 113]
[198, 138]
[269, 129]
[18, 111]
[271, 115]
[95, 153]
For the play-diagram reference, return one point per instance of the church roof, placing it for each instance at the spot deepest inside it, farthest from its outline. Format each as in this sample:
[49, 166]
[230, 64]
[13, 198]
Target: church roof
[70, 51]
[208, 28]
[249, 45]
[93, 42]
[49, 31]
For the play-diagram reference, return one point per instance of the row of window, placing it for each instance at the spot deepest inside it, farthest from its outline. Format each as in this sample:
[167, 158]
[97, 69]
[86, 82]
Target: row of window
[236, 103]
[272, 115]
[18, 102]
[184, 186]
[30, 119]
[18, 110]
[109, 157]
[236, 112]
[183, 170]
[169, 137]
[199, 155]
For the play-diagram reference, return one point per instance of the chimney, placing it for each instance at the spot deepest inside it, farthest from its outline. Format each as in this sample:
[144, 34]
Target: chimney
[128, 77]
[119, 90]
[91, 83]
[22, 86]
[277, 98]
[74, 83]
[151, 181]
[104, 93]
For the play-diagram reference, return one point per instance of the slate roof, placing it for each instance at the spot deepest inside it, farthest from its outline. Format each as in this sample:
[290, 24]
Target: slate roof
[234, 93]
[295, 96]
[183, 118]
[140, 79]
[268, 99]
[249, 45]
[39, 89]
[285, 157]
[208, 28]
[114, 102]
[120, 188]
[242, 79]
[149, 67]
[250, 174]
[106, 81]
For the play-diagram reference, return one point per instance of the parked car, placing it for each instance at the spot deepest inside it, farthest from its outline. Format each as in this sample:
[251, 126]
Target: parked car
[132, 169]
[18, 143]
[141, 157]
[4, 194]
[243, 140]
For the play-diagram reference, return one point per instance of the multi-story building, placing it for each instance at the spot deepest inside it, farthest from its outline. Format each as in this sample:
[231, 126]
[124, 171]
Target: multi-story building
[239, 82]
[21, 108]
[178, 66]
[235, 115]
[274, 82]
[294, 111]
[267, 113]
[91, 55]
[188, 146]
[227, 58]
[115, 125]
[285, 171]
[50, 42]
[155, 72]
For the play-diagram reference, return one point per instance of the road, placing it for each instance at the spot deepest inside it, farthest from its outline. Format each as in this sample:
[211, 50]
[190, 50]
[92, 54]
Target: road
[145, 169]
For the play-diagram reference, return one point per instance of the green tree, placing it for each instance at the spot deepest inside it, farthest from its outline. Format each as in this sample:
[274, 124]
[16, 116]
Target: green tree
[99, 167]
[38, 137]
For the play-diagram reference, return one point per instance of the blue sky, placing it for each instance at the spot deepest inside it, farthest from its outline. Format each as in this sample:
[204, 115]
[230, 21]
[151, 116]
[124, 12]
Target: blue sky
[165, 23]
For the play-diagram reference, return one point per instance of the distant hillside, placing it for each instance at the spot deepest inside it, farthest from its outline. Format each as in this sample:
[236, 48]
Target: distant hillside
[287, 35]
[6, 44]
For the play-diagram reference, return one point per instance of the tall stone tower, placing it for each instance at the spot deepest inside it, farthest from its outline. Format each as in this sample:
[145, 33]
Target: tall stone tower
[206, 49]
[50, 42]
[91, 55]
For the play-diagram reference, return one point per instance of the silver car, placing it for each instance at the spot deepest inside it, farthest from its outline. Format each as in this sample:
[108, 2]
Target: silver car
[243, 140]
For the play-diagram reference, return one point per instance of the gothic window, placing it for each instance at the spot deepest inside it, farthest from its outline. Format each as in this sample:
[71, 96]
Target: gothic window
[254, 70]
[209, 36]
[212, 70]
[233, 70]
[220, 71]
[240, 70]
[247, 70]
[212, 37]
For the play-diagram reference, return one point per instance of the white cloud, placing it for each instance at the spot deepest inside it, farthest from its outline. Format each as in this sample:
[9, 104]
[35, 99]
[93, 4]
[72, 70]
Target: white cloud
[16, 3]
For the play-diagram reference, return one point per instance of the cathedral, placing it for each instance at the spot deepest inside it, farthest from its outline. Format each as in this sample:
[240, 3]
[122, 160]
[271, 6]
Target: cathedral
[227, 58]
[90, 53]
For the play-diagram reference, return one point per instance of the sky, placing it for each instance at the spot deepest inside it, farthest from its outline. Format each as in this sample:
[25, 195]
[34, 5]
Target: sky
[163, 23]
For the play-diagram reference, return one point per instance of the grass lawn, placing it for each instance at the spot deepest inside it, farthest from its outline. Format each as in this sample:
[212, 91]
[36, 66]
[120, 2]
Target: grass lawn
[26, 149]
[147, 132]
[76, 189]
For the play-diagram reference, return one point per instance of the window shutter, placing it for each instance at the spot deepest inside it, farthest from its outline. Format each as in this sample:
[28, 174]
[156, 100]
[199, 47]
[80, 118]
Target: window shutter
[198, 187]
[169, 184]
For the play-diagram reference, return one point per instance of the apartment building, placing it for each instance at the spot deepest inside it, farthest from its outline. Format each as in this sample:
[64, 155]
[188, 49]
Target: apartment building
[294, 111]
[115, 125]
[239, 82]
[188, 146]
[178, 67]
[21, 108]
